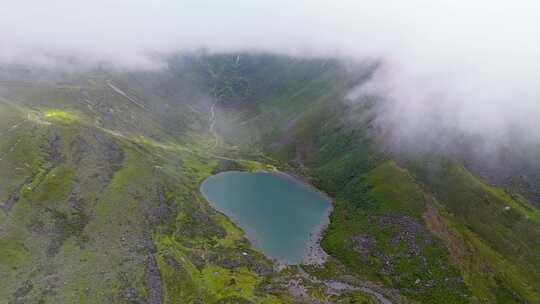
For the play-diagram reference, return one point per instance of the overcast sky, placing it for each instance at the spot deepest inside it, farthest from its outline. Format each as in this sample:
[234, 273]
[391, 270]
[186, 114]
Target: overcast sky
[477, 62]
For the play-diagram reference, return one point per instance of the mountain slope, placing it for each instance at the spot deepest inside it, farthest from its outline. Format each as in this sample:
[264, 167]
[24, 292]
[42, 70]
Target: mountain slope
[99, 177]
[100, 202]
[425, 225]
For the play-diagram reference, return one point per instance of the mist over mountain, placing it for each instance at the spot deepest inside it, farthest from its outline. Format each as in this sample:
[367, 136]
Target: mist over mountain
[468, 66]
[416, 121]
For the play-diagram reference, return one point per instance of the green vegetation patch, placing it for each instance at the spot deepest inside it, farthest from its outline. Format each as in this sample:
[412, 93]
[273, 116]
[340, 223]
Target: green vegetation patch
[377, 231]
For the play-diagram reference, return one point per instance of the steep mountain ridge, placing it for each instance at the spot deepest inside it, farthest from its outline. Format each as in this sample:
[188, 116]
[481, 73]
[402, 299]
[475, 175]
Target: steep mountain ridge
[99, 177]
[490, 233]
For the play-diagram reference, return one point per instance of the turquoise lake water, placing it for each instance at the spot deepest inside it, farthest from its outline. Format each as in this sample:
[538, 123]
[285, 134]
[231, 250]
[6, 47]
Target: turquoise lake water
[278, 212]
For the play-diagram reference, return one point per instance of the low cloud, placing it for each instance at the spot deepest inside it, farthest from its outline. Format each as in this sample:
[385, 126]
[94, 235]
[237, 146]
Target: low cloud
[468, 66]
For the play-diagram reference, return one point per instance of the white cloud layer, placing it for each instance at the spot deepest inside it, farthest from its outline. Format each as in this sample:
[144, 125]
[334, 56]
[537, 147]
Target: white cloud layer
[470, 65]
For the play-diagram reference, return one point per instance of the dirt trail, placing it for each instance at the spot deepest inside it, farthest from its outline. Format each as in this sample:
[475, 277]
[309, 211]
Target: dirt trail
[337, 287]
[125, 95]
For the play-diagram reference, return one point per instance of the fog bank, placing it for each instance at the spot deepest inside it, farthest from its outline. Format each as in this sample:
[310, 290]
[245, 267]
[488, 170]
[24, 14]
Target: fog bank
[468, 66]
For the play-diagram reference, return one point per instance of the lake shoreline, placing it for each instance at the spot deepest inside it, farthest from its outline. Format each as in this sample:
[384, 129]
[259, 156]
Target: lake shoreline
[314, 253]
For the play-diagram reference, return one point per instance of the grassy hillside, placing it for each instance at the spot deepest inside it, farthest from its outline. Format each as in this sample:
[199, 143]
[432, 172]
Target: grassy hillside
[96, 215]
[427, 227]
[100, 202]
[99, 198]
